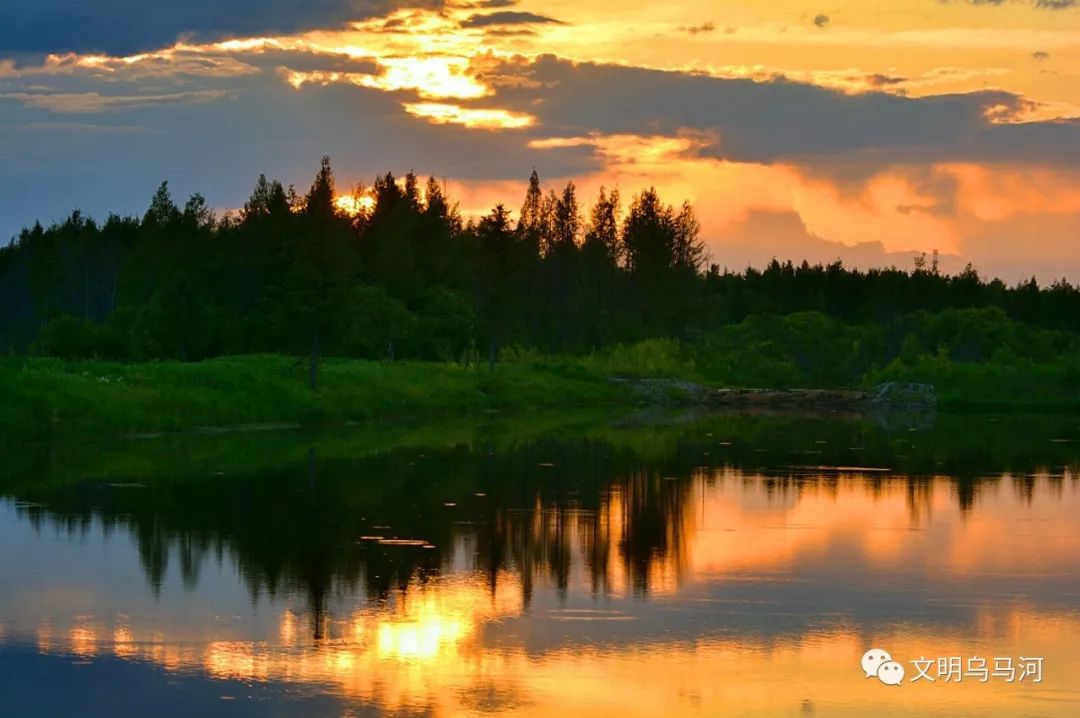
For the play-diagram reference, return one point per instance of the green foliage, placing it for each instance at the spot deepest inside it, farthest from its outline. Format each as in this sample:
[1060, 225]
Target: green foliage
[802, 349]
[70, 338]
[295, 274]
[445, 326]
[1007, 382]
[47, 398]
[649, 358]
[406, 278]
[372, 323]
[911, 350]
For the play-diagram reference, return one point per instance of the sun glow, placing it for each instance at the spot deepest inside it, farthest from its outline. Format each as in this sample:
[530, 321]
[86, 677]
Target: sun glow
[355, 204]
[439, 644]
[435, 52]
[438, 62]
[476, 118]
[430, 77]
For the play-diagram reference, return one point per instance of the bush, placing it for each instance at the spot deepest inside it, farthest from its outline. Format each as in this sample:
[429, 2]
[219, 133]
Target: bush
[446, 324]
[652, 357]
[70, 338]
[911, 350]
[373, 321]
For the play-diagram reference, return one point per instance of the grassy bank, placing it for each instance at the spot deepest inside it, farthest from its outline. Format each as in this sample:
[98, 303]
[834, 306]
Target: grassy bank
[49, 398]
[45, 398]
[1006, 386]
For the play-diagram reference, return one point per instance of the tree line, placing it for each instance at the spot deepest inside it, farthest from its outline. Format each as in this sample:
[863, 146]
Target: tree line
[405, 276]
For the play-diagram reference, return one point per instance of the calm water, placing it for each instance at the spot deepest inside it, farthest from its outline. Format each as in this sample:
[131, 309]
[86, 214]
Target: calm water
[727, 566]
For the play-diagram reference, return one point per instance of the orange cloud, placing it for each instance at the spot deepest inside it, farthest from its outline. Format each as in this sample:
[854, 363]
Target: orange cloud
[430, 77]
[886, 217]
[999, 192]
[477, 118]
[944, 47]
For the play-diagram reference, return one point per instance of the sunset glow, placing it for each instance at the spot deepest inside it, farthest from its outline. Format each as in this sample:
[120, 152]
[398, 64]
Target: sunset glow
[438, 643]
[440, 113]
[355, 204]
[992, 86]
[540, 359]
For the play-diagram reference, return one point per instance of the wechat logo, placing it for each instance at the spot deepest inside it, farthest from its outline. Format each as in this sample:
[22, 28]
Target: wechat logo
[877, 663]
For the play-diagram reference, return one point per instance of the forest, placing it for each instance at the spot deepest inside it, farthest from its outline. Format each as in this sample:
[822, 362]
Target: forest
[403, 276]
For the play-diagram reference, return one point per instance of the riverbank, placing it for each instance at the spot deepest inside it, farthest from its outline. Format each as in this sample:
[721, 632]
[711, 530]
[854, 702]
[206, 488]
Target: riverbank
[45, 399]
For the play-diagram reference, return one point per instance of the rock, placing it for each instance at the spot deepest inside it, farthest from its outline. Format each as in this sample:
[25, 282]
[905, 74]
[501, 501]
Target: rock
[904, 396]
[890, 396]
[665, 391]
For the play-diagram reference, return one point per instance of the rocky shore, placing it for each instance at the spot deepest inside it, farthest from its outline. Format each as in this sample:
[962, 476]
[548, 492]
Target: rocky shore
[891, 396]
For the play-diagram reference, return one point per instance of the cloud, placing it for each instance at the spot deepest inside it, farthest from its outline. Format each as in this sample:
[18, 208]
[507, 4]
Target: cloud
[170, 63]
[508, 17]
[92, 102]
[1040, 4]
[1043, 246]
[751, 212]
[476, 118]
[499, 32]
[780, 120]
[698, 29]
[486, 4]
[821, 20]
[129, 26]
[434, 76]
[765, 149]
[765, 235]
[83, 128]
[219, 148]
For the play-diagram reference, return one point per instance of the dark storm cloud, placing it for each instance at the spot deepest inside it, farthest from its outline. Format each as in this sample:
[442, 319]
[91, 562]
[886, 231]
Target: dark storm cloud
[129, 26]
[781, 120]
[508, 17]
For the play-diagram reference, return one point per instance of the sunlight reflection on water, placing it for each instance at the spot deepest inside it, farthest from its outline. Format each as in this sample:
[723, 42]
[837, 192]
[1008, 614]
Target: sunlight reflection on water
[722, 591]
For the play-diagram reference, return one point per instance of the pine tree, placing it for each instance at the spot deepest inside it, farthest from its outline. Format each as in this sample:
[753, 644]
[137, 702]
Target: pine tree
[162, 210]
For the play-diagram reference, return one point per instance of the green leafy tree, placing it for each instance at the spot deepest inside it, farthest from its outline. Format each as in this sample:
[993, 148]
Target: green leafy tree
[374, 323]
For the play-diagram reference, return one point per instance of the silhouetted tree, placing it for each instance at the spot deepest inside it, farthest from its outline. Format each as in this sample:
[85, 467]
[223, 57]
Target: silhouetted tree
[405, 276]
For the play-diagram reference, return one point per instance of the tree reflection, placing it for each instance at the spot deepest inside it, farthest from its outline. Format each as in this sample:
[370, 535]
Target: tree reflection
[621, 515]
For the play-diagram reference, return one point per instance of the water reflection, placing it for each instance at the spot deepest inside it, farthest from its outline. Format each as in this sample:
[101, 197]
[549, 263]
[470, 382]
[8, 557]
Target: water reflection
[692, 574]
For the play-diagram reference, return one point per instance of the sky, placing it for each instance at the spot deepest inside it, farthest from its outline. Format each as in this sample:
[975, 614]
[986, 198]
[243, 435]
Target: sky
[862, 130]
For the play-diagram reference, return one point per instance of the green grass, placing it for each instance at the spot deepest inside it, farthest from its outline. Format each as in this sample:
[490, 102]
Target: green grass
[1015, 385]
[49, 398]
[45, 399]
